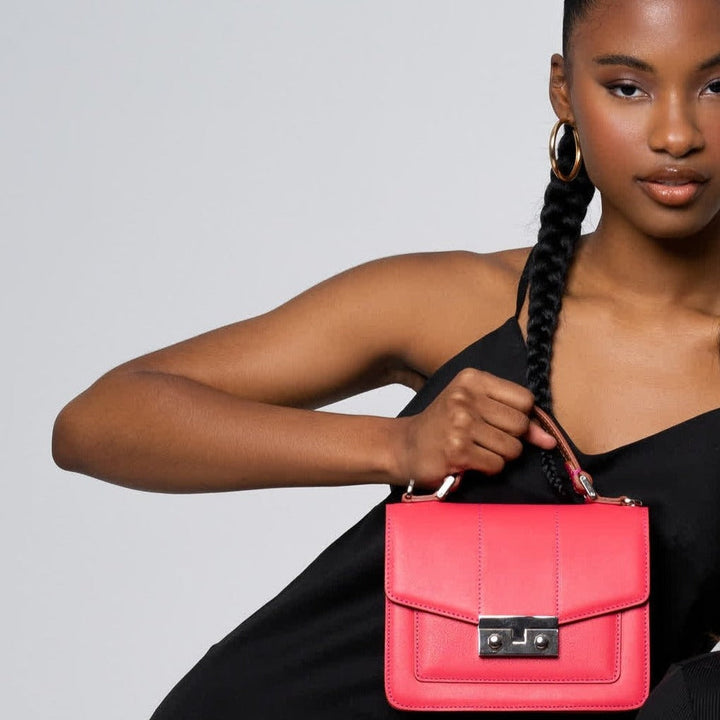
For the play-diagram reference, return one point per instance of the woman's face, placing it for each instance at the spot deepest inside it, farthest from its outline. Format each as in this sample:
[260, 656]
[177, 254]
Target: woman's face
[642, 86]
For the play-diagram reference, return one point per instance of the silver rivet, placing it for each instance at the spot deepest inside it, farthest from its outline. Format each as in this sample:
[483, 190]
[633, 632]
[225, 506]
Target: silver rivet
[542, 642]
[495, 641]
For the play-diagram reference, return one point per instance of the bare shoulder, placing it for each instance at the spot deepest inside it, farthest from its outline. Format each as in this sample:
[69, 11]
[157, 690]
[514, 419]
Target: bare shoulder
[459, 276]
[455, 298]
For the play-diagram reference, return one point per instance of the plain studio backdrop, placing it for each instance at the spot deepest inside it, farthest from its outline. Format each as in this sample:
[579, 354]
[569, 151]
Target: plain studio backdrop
[170, 167]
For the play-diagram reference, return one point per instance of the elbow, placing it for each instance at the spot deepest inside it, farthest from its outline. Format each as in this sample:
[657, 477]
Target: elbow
[78, 428]
[67, 450]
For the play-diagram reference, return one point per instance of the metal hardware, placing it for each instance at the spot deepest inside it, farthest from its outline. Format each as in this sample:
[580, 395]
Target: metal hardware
[591, 495]
[588, 486]
[518, 636]
[410, 488]
[448, 483]
[446, 486]
[622, 500]
[494, 642]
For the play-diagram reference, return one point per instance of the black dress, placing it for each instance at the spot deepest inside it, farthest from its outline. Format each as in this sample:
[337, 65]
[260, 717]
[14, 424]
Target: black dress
[316, 650]
[689, 691]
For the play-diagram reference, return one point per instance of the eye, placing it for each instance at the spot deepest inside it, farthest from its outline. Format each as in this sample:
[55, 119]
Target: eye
[714, 87]
[625, 90]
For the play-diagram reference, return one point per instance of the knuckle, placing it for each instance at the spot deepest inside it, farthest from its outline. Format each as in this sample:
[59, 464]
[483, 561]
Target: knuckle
[456, 446]
[458, 395]
[461, 418]
[470, 377]
[458, 454]
[466, 375]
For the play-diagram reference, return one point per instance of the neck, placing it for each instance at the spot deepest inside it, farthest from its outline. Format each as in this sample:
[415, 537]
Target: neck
[648, 271]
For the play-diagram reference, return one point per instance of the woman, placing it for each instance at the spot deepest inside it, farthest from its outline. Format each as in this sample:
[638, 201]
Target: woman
[628, 315]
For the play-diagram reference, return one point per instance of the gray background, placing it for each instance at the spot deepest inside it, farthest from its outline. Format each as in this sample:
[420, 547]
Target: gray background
[168, 167]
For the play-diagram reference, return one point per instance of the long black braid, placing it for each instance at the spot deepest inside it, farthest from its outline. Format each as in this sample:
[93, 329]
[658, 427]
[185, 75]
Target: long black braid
[561, 219]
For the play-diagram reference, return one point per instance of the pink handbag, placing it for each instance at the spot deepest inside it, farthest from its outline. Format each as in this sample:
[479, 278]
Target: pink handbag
[517, 607]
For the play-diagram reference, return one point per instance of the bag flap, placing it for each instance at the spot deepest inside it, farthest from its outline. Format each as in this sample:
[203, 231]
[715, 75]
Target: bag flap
[462, 560]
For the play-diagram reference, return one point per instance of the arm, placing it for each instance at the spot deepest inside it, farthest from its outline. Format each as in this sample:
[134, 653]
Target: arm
[153, 430]
[229, 409]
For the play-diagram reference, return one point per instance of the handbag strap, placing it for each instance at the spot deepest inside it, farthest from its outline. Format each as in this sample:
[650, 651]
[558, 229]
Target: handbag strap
[582, 481]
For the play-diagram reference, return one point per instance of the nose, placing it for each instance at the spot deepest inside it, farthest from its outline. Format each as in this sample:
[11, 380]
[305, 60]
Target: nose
[675, 128]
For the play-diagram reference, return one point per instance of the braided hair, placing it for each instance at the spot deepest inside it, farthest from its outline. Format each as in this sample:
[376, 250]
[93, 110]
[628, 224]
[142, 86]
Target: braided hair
[564, 210]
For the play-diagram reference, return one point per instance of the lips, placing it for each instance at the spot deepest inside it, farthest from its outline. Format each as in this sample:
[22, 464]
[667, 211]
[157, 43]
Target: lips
[675, 176]
[673, 186]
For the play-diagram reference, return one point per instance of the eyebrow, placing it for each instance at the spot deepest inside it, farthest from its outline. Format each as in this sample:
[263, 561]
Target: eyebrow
[637, 64]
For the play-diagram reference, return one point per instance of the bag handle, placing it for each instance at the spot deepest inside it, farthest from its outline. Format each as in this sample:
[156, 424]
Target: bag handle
[582, 481]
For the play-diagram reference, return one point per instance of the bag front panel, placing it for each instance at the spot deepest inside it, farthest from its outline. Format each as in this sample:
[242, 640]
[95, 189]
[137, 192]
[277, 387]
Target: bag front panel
[447, 651]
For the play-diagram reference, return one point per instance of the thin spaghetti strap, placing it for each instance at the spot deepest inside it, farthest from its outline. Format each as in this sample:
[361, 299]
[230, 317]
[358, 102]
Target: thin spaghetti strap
[523, 283]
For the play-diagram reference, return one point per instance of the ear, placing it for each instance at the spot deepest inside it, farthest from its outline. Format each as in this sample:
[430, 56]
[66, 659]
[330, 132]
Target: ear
[560, 89]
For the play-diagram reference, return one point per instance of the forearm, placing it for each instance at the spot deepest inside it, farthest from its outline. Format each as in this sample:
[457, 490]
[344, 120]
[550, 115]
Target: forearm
[166, 433]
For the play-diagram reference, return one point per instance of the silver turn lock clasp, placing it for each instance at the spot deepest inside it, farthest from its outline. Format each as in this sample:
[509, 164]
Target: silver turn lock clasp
[518, 636]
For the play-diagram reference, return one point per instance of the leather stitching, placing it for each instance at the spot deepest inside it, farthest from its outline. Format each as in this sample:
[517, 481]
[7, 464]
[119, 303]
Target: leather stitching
[480, 554]
[557, 564]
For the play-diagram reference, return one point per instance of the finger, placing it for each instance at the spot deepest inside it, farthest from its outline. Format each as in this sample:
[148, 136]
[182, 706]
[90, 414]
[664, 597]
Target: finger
[537, 436]
[485, 461]
[497, 442]
[509, 393]
[479, 383]
[503, 417]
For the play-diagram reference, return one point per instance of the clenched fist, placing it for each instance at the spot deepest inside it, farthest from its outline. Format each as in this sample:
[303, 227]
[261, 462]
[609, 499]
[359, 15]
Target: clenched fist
[476, 423]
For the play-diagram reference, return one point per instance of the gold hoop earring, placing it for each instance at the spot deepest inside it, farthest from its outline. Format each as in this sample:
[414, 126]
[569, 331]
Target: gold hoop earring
[553, 153]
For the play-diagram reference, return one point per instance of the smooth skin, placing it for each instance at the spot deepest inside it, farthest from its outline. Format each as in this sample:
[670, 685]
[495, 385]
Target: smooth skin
[636, 350]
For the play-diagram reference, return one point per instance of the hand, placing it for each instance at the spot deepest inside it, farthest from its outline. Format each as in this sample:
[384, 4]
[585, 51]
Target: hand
[477, 422]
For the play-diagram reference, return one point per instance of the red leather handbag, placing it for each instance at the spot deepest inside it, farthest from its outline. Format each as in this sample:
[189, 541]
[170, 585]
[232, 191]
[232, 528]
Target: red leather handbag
[517, 607]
